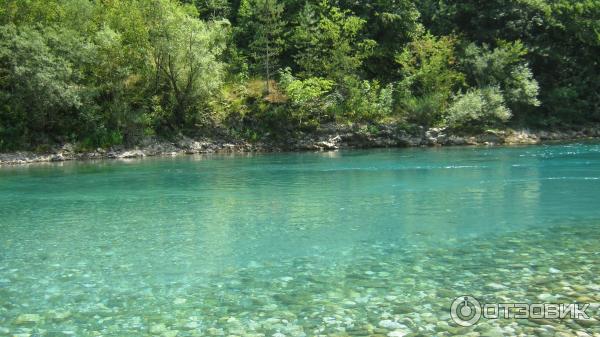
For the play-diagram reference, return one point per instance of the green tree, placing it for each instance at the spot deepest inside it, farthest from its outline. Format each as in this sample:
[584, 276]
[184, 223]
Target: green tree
[39, 90]
[503, 67]
[429, 71]
[186, 60]
[268, 41]
[334, 48]
[391, 24]
[212, 9]
[259, 35]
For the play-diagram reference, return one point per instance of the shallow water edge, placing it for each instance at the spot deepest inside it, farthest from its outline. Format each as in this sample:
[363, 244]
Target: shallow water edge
[329, 139]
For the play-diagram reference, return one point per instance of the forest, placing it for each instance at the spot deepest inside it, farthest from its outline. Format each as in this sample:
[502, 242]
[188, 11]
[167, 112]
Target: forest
[100, 73]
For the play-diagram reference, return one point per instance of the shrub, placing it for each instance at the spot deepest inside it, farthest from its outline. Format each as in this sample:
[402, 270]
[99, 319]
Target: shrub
[477, 109]
[505, 68]
[309, 97]
[428, 67]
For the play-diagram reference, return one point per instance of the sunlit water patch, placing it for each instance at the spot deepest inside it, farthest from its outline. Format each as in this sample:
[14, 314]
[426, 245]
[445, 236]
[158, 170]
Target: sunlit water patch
[361, 243]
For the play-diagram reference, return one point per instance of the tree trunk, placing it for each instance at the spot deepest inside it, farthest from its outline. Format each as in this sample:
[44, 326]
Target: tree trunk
[268, 37]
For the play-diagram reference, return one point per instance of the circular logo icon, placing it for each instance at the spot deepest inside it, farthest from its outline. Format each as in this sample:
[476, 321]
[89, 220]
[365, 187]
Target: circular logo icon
[465, 311]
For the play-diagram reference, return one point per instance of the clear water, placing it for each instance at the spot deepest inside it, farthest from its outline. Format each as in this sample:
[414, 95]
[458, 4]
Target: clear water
[312, 244]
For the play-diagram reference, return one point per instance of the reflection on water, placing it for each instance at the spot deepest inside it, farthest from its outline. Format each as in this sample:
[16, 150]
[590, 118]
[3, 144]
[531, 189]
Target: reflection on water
[361, 243]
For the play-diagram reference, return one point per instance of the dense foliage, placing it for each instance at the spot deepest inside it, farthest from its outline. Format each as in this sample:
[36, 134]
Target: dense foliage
[100, 73]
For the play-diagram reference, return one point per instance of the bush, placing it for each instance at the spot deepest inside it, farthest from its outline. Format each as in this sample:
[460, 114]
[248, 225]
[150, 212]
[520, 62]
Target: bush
[428, 68]
[364, 101]
[309, 97]
[423, 110]
[477, 109]
[505, 68]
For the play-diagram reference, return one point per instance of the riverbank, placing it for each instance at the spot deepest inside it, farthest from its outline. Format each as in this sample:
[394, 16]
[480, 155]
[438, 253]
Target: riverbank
[329, 138]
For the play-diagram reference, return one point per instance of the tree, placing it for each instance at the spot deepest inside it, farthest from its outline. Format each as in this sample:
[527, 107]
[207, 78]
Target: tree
[428, 67]
[185, 53]
[39, 90]
[267, 44]
[391, 24]
[334, 49]
[214, 9]
[505, 68]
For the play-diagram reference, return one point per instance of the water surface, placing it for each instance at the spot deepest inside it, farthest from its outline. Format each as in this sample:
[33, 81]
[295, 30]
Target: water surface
[356, 243]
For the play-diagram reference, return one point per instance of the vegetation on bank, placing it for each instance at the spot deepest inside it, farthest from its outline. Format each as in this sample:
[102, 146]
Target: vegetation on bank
[101, 73]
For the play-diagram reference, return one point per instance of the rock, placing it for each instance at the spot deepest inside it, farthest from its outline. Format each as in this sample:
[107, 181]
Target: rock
[4, 331]
[132, 154]
[584, 299]
[547, 298]
[587, 322]
[57, 158]
[272, 320]
[397, 333]
[495, 286]
[59, 316]
[331, 144]
[179, 301]
[27, 319]
[191, 325]
[349, 304]
[67, 148]
[158, 329]
[270, 307]
[170, 333]
[493, 332]
[554, 271]
[215, 332]
[390, 325]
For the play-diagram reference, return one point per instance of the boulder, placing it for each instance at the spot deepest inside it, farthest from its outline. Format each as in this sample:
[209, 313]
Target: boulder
[131, 154]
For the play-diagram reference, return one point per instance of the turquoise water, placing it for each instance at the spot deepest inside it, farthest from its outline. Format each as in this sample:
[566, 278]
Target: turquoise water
[356, 243]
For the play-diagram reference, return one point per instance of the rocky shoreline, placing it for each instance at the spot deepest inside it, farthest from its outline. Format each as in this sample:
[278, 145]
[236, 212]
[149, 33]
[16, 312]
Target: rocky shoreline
[330, 138]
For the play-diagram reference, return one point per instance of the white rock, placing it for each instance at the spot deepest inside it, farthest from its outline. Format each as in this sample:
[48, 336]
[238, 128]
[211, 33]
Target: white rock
[233, 321]
[132, 154]
[170, 333]
[547, 298]
[397, 333]
[158, 329]
[179, 301]
[554, 271]
[215, 332]
[27, 318]
[390, 325]
[272, 320]
[496, 286]
[191, 325]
